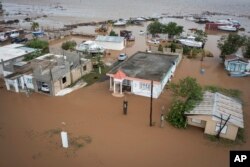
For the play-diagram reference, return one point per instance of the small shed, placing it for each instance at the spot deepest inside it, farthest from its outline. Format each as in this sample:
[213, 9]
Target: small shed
[217, 110]
[111, 42]
[233, 63]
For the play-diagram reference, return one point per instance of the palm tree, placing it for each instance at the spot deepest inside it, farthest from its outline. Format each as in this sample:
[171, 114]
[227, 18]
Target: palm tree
[34, 26]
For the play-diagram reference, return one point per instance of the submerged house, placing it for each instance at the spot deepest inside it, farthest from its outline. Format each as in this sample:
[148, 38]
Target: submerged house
[217, 110]
[18, 76]
[13, 53]
[136, 73]
[47, 74]
[237, 65]
[111, 42]
[52, 73]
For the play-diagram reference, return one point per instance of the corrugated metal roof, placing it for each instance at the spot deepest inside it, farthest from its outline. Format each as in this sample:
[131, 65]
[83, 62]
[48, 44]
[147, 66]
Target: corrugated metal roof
[218, 105]
[109, 39]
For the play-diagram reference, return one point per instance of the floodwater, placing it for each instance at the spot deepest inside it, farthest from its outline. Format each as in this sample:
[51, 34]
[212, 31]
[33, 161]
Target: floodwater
[117, 140]
[130, 8]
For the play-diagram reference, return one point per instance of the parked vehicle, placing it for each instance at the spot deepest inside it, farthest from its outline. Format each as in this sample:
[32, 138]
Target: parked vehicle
[127, 35]
[14, 34]
[122, 57]
[19, 40]
[39, 33]
[45, 88]
[154, 41]
[3, 37]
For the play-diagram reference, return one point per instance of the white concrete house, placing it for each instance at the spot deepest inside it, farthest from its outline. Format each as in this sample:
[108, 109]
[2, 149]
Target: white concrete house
[135, 74]
[13, 53]
[21, 78]
[111, 42]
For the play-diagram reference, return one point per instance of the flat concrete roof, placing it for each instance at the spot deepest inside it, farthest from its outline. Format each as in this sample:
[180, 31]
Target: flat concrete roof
[115, 39]
[13, 51]
[146, 66]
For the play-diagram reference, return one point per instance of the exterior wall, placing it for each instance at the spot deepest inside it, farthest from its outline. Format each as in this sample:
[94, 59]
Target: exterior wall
[56, 87]
[135, 89]
[76, 74]
[89, 68]
[68, 81]
[235, 66]
[210, 126]
[201, 125]
[28, 80]
[111, 45]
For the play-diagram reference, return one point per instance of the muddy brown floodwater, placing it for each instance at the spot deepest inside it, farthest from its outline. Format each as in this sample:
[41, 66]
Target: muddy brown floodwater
[116, 140]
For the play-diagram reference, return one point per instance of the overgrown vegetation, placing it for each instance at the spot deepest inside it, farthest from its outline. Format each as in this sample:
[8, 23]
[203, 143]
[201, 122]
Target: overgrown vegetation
[95, 76]
[228, 92]
[33, 55]
[231, 44]
[39, 44]
[187, 93]
[112, 33]
[69, 45]
[201, 36]
[247, 53]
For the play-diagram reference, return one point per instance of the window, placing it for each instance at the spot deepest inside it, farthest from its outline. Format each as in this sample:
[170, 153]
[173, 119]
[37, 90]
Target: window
[145, 86]
[196, 121]
[64, 79]
[223, 131]
[84, 68]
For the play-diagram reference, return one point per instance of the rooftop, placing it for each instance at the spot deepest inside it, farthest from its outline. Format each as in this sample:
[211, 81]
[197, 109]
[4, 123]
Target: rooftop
[13, 51]
[235, 57]
[218, 105]
[116, 39]
[147, 66]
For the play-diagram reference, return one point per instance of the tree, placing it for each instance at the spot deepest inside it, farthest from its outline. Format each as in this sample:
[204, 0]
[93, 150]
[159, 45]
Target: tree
[187, 93]
[69, 45]
[231, 44]
[201, 36]
[112, 33]
[172, 29]
[247, 54]
[34, 26]
[155, 28]
[39, 44]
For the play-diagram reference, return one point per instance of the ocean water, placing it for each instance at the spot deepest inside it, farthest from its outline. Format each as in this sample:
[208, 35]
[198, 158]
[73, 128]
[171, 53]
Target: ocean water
[131, 8]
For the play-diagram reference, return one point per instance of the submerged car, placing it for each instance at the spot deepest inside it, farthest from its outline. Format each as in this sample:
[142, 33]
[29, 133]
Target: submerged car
[122, 57]
[45, 88]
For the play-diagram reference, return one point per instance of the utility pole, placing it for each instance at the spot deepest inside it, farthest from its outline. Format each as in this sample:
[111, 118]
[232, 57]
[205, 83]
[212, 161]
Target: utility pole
[151, 104]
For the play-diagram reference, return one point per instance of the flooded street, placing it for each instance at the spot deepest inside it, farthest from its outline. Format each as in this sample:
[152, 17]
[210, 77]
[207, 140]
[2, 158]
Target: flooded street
[30, 126]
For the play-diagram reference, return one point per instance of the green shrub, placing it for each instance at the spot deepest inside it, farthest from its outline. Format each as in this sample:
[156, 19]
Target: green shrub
[69, 45]
[39, 44]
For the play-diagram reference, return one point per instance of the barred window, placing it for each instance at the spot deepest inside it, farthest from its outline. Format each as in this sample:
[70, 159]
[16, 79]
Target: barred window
[145, 86]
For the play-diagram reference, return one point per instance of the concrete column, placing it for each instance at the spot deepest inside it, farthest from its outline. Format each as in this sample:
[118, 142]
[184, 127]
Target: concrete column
[114, 86]
[7, 85]
[22, 82]
[16, 85]
[110, 83]
[120, 87]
